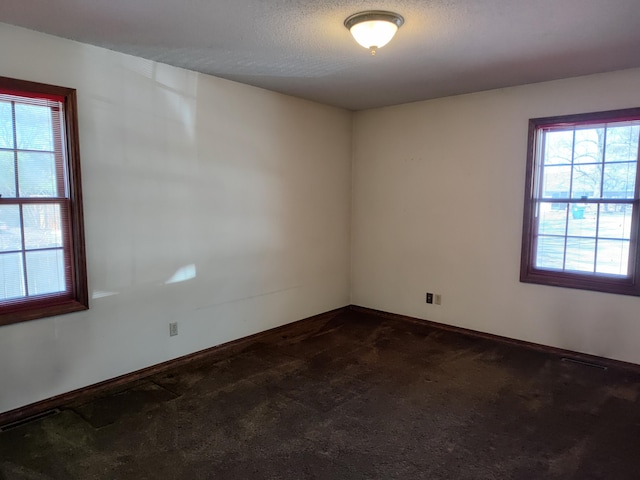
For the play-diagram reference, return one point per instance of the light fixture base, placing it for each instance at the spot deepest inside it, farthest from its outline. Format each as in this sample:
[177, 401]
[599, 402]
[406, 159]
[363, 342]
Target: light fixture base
[372, 15]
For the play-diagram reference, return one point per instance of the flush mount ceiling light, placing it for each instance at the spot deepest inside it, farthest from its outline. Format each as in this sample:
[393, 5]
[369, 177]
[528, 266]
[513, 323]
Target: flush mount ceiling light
[373, 29]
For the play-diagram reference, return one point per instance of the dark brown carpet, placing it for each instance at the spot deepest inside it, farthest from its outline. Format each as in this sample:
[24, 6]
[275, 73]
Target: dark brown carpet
[355, 396]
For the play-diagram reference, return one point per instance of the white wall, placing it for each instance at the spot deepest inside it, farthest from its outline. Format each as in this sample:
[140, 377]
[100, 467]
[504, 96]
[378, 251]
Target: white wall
[438, 196]
[184, 175]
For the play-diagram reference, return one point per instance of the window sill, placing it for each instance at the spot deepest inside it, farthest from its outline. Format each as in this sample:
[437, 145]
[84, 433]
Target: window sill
[597, 283]
[49, 308]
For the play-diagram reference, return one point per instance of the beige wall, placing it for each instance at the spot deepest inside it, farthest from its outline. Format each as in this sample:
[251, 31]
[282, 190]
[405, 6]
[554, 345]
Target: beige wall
[437, 206]
[220, 206]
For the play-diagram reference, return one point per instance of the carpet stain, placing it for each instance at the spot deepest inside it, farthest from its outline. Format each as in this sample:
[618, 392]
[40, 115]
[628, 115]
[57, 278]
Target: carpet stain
[566, 464]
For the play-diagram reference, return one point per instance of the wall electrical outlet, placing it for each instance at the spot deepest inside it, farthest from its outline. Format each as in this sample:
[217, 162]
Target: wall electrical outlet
[173, 329]
[429, 297]
[437, 299]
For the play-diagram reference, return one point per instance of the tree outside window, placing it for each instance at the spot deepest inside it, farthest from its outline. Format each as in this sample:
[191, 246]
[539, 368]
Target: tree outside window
[581, 205]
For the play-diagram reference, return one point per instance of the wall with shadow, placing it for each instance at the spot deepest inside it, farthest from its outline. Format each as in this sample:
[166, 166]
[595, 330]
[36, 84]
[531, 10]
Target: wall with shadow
[219, 206]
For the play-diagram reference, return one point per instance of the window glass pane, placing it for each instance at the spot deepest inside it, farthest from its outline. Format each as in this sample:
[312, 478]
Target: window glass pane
[622, 143]
[613, 257]
[42, 226]
[33, 127]
[45, 272]
[11, 276]
[586, 181]
[556, 181]
[619, 180]
[37, 175]
[615, 221]
[581, 254]
[589, 145]
[7, 175]
[41, 269]
[550, 253]
[6, 125]
[552, 219]
[583, 220]
[559, 148]
[10, 228]
[583, 209]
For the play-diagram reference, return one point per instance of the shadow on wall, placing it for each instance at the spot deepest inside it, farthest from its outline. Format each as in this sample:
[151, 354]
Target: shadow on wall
[194, 170]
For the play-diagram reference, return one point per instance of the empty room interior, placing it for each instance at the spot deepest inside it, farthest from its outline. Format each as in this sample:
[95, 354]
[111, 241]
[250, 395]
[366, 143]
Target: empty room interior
[289, 256]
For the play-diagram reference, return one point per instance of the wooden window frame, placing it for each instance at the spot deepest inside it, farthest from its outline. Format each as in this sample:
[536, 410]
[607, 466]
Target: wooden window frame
[629, 285]
[77, 296]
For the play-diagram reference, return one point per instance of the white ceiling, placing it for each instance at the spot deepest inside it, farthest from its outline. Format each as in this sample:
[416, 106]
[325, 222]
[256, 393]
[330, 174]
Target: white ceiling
[301, 48]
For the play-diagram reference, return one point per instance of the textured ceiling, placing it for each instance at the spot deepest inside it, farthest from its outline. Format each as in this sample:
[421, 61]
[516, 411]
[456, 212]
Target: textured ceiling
[301, 48]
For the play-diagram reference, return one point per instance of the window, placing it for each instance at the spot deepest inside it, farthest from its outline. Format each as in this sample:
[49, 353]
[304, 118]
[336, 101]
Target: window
[581, 202]
[42, 259]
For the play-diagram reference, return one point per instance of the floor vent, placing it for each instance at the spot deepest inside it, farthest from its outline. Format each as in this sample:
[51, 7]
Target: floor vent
[24, 421]
[586, 364]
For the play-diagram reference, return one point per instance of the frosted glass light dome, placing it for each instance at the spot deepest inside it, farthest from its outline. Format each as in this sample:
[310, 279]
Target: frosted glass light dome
[373, 29]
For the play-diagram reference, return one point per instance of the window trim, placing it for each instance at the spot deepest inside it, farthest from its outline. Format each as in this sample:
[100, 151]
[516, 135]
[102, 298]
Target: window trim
[629, 285]
[78, 299]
